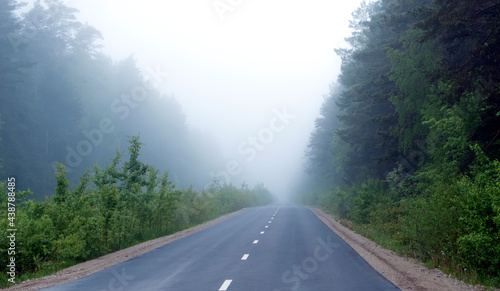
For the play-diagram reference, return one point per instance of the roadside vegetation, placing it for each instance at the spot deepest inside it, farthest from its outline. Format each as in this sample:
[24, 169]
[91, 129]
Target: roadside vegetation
[406, 149]
[64, 100]
[65, 108]
[113, 207]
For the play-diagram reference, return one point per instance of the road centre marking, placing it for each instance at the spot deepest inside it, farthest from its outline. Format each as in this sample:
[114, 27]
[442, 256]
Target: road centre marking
[261, 232]
[225, 285]
[245, 257]
[255, 241]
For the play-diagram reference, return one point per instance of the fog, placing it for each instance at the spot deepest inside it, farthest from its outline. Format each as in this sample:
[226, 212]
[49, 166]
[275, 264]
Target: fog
[249, 75]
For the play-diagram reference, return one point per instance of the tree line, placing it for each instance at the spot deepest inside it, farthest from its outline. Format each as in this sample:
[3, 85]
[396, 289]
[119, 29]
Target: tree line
[67, 108]
[407, 144]
[113, 207]
[63, 100]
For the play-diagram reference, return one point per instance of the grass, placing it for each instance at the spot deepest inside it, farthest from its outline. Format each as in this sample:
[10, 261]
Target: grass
[46, 270]
[49, 268]
[387, 239]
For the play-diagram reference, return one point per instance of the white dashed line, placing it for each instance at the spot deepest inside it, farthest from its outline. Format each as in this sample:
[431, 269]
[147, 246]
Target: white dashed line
[225, 285]
[245, 257]
[272, 218]
[267, 226]
[269, 221]
[261, 232]
[255, 241]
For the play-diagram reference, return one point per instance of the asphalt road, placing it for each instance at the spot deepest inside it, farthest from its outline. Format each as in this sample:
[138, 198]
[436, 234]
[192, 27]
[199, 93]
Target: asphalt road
[270, 248]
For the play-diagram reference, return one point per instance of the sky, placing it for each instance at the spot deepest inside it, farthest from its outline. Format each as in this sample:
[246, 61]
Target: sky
[252, 74]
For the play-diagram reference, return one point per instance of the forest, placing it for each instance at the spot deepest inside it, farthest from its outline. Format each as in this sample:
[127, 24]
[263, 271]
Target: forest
[407, 145]
[405, 150]
[112, 208]
[63, 100]
[94, 173]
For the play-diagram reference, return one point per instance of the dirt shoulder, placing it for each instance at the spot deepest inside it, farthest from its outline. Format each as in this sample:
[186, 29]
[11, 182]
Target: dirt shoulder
[402, 272]
[98, 264]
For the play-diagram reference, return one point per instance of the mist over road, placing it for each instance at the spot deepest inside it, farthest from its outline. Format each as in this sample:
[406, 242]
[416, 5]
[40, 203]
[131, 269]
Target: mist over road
[275, 247]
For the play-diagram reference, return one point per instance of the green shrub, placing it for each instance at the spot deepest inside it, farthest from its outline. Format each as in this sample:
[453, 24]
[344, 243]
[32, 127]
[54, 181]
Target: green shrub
[479, 245]
[110, 209]
[368, 198]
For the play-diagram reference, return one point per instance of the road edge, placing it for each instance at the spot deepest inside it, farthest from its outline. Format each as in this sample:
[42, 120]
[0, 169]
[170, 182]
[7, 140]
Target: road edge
[95, 265]
[403, 272]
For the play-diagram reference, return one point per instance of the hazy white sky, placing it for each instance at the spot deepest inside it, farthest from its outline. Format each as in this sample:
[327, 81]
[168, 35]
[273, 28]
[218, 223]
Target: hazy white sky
[232, 64]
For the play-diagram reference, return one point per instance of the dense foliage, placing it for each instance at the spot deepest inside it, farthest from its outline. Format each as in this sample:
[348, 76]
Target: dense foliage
[63, 100]
[114, 207]
[67, 108]
[409, 138]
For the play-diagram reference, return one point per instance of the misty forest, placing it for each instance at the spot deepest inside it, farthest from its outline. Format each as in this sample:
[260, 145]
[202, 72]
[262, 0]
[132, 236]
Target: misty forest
[405, 150]
[407, 146]
[62, 101]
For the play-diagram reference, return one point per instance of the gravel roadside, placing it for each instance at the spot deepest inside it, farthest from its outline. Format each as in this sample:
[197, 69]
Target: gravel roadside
[98, 264]
[405, 273]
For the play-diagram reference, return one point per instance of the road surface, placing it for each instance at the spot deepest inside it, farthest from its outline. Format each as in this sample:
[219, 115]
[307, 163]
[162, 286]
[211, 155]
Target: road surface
[269, 248]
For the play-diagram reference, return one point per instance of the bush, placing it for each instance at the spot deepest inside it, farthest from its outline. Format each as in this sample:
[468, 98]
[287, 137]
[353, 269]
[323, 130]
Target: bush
[479, 245]
[368, 198]
[429, 223]
[110, 209]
